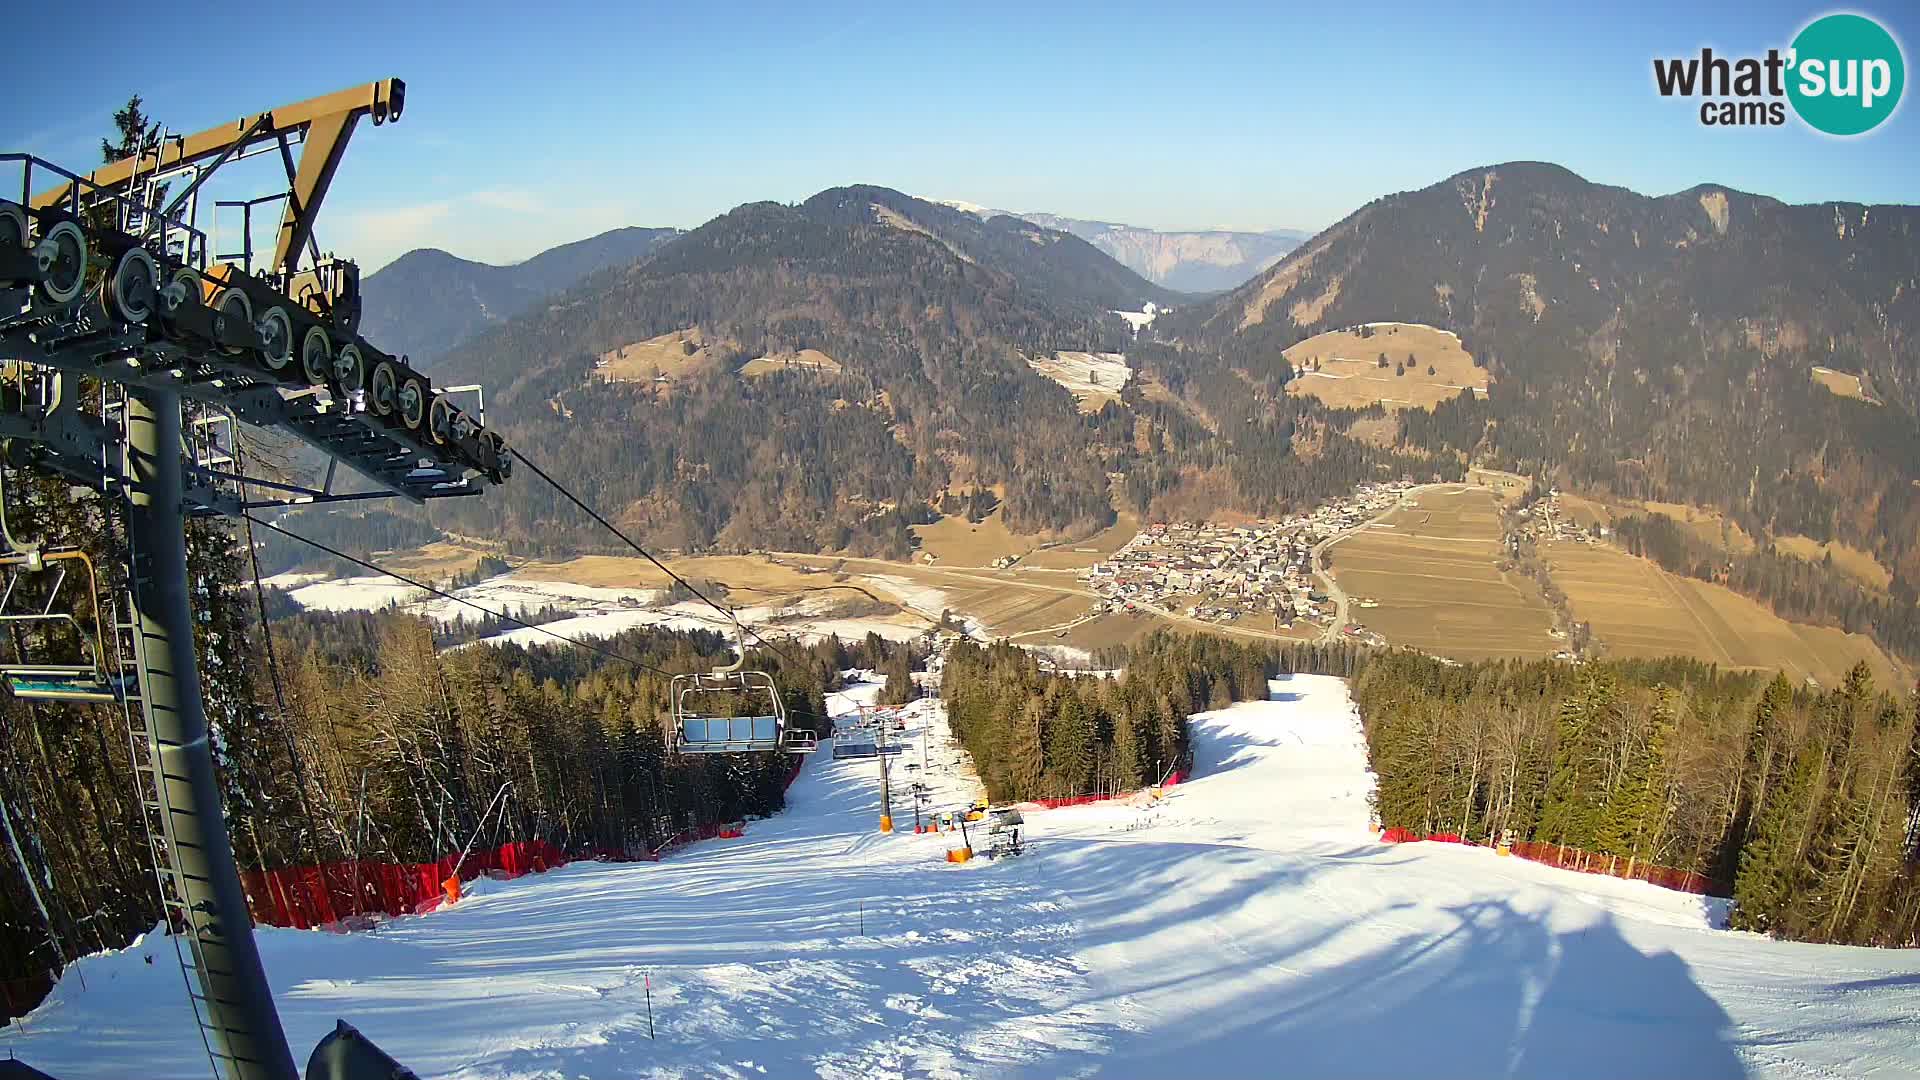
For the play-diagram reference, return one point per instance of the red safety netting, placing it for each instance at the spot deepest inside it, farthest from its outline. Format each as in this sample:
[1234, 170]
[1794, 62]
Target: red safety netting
[305, 897]
[1586, 862]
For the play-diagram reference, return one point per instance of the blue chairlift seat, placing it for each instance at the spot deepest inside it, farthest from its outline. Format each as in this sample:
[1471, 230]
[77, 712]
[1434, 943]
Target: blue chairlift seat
[73, 679]
[80, 684]
[763, 731]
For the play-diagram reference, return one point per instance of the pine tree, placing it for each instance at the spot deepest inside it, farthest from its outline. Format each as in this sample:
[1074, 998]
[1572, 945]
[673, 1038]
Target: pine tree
[1569, 813]
[1126, 749]
[1070, 745]
[1025, 753]
[1773, 863]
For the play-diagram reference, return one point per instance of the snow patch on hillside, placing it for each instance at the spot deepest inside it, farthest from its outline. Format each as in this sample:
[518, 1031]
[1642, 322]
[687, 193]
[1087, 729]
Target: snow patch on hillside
[1085, 373]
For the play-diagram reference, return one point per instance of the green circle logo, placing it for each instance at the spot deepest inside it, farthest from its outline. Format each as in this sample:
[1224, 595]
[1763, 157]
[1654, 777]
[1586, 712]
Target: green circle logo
[1847, 74]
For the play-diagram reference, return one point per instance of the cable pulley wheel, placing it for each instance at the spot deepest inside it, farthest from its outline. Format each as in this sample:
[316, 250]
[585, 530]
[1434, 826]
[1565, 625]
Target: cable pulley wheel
[233, 305]
[316, 355]
[184, 289]
[349, 370]
[502, 458]
[276, 335]
[440, 420]
[383, 389]
[63, 251]
[134, 286]
[13, 226]
[412, 400]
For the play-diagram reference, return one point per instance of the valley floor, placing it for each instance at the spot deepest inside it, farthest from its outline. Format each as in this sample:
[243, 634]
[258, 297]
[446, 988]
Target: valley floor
[1246, 925]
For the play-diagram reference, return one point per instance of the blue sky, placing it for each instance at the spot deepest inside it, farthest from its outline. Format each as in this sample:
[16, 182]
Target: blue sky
[532, 125]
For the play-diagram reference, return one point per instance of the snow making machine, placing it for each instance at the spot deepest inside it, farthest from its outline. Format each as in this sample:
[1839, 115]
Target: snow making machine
[130, 354]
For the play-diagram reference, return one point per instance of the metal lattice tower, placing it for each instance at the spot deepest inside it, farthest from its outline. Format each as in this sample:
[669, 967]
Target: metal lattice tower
[102, 286]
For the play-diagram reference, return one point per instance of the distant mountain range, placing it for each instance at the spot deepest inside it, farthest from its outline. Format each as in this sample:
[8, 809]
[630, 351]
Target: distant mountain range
[427, 301]
[1655, 348]
[1189, 261]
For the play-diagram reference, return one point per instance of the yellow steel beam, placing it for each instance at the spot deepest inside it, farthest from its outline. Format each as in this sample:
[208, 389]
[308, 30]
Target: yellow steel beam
[327, 122]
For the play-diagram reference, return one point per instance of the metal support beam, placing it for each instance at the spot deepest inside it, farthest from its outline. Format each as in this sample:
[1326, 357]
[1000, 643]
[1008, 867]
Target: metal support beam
[239, 1007]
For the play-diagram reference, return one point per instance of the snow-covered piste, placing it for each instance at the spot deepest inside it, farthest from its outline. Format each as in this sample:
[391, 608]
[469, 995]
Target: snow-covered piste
[1245, 925]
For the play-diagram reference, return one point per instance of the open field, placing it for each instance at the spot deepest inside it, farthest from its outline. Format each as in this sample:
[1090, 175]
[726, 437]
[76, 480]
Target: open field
[1092, 378]
[671, 354]
[1349, 374]
[1707, 525]
[1001, 602]
[804, 360]
[1106, 631]
[1842, 383]
[435, 562]
[953, 539]
[1080, 554]
[750, 575]
[1431, 570]
[1857, 564]
[1637, 609]
[1506, 486]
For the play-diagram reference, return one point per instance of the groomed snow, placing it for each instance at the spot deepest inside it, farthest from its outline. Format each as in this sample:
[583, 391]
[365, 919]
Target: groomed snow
[1246, 925]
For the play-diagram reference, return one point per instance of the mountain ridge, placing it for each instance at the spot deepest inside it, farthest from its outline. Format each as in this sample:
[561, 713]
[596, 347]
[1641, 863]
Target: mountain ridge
[429, 300]
[1653, 346]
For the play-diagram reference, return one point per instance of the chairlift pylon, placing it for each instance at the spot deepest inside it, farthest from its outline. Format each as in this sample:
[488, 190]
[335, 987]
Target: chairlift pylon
[698, 732]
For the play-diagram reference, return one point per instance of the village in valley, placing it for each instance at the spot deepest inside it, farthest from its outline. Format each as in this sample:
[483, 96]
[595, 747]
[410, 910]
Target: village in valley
[1221, 573]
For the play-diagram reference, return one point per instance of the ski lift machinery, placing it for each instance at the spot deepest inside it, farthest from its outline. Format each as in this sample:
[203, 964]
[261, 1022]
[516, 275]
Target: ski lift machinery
[762, 730]
[126, 347]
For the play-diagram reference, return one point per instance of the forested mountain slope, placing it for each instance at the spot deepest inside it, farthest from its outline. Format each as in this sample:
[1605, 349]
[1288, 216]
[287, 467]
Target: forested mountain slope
[929, 315]
[427, 301]
[1659, 348]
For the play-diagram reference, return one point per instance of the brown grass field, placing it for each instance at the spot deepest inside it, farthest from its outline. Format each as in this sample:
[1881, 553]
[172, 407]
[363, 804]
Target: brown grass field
[673, 355]
[1433, 572]
[804, 360]
[1637, 609]
[1842, 383]
[1506, 486]
[435, 562]
[1708, 525]
[1857, 564]
[1350, 375]
[751, 578]
[1080, 554]
[1105, 631]
[1006, 601]
[955, 540]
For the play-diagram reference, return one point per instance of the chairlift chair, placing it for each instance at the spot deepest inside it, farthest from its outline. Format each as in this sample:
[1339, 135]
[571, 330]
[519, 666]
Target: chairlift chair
[697, 731]
[81, 678]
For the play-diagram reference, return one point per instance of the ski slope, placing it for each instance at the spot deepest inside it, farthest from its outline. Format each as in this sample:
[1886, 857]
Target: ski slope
[1246, 925]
